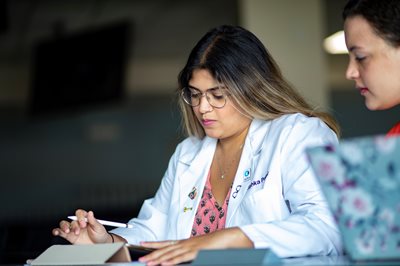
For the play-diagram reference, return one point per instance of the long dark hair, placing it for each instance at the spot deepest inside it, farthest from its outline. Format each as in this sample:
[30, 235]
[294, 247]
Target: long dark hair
[382, 15]
[236, 58]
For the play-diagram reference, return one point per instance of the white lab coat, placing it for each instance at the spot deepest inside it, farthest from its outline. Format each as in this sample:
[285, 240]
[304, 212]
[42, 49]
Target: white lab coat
[275, 198]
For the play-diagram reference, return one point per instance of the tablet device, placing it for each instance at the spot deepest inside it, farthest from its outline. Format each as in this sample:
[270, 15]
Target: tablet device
[137, 251]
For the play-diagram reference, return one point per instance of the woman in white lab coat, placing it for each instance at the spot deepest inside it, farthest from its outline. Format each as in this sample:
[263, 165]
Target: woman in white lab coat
[241, 178]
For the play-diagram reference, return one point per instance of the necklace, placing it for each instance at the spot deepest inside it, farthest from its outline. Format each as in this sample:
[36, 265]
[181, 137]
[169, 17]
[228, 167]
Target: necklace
[222, 172]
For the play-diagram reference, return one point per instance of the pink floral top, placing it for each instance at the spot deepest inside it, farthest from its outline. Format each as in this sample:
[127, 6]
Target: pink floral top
[210, 216]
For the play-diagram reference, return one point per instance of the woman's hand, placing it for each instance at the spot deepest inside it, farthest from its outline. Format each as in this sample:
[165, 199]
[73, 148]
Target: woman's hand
[85, 230]
[174, 252]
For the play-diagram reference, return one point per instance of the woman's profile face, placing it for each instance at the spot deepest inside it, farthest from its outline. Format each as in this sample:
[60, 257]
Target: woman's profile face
[220, 123]
[374, 65]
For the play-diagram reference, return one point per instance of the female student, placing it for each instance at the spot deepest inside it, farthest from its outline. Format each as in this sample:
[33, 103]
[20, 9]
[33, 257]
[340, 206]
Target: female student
[372, 32]
[241, 178]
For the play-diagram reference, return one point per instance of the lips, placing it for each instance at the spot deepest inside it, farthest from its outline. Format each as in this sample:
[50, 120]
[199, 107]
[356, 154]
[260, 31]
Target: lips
[363, 90]
[207, 122]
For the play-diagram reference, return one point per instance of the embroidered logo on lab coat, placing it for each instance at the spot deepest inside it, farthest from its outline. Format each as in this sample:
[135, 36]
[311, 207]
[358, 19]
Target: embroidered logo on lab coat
[258, 182]
[237, 189]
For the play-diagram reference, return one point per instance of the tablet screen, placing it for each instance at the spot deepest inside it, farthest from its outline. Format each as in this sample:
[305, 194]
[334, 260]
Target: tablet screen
[137, 251]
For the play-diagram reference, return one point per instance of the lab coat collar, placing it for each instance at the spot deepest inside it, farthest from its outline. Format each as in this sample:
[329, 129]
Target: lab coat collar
[192, 182]
[256, 136]
[258, 131]
[199, 148]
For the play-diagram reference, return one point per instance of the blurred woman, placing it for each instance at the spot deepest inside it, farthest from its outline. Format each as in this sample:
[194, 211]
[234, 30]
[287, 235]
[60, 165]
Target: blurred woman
[372, 32]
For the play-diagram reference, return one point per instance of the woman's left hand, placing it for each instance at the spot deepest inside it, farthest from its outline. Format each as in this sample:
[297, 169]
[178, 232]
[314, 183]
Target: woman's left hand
[175, 252]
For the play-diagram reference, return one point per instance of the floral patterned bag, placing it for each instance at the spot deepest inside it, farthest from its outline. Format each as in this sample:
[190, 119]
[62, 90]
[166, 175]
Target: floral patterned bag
[360, 178]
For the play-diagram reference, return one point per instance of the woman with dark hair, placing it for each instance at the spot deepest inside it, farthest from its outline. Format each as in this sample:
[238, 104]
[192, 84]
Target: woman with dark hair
[372, 32]
[241, 178]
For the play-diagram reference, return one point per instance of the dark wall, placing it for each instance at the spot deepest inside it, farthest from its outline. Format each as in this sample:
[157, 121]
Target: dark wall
[105, 159]
[354, 117]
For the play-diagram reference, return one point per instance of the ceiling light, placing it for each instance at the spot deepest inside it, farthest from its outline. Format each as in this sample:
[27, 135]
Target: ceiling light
[335, 43]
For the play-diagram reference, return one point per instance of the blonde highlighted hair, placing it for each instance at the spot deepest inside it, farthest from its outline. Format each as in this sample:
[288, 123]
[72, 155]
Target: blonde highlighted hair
[237, 59]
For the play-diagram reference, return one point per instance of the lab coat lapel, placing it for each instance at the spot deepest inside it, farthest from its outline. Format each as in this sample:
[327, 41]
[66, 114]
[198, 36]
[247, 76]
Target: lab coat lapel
[247, 166]
[191, 186]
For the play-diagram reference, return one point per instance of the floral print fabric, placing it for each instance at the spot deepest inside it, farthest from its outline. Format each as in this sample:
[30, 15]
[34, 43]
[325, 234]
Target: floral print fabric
[361, 181]
[210, 216]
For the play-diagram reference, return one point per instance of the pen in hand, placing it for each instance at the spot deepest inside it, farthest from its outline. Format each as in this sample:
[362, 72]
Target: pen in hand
[103, 222]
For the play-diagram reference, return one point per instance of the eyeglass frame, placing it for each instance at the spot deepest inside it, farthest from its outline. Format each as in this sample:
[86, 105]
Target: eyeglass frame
[225, 95]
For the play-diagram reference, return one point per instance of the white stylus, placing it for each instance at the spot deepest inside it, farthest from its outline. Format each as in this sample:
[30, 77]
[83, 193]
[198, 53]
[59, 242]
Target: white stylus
[103, 222]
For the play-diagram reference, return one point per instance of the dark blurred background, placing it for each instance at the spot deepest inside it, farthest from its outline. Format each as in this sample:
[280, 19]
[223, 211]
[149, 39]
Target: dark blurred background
[88, 115]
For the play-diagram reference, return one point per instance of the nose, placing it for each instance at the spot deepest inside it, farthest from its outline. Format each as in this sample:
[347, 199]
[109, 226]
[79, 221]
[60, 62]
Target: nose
[352, 71]
[204, 105]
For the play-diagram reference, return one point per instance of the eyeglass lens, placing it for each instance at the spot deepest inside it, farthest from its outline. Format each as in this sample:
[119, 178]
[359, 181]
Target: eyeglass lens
[215, 97]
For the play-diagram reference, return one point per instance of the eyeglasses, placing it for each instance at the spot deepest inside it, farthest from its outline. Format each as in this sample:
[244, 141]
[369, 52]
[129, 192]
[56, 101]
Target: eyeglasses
[216, 97]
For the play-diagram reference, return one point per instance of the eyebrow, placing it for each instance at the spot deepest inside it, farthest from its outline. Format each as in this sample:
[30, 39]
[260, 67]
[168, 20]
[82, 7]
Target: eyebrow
[354, 47]
[213, 88]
